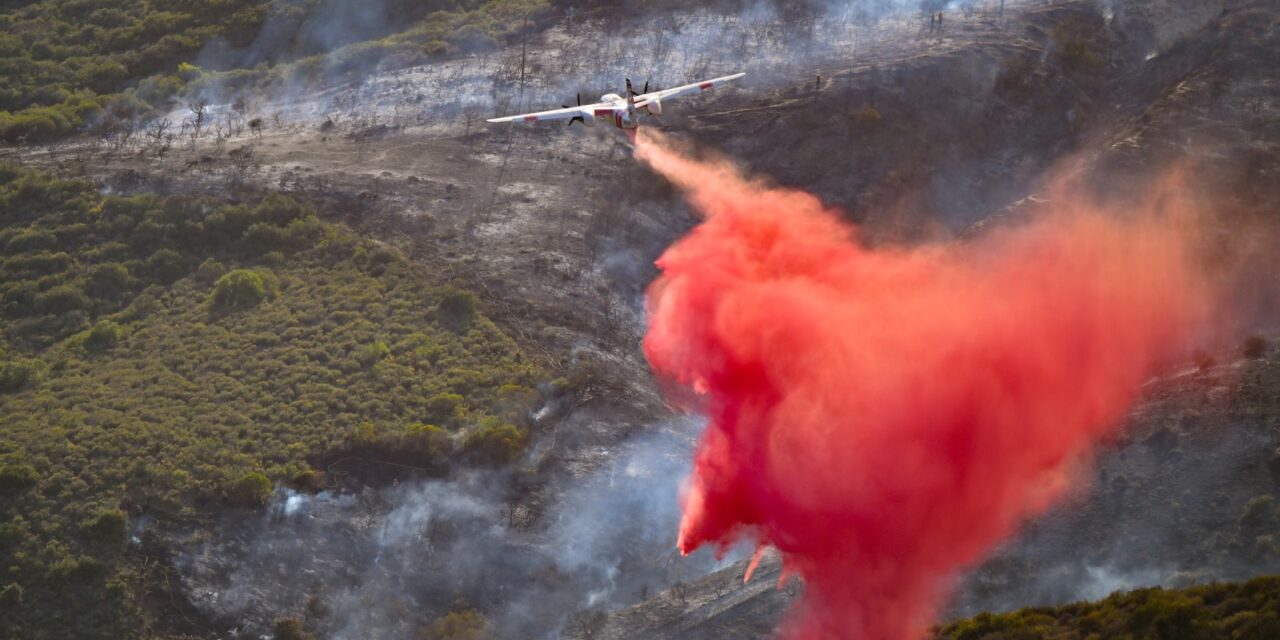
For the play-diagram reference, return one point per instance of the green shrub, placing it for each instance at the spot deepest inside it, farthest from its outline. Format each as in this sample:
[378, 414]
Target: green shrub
[62, 299]
[496, 442]
[11, 595]
[262, 238]
[428, 440]
[1263, 626]
[80, 570]
[467, 624]
[103, 336]
[280, 210]
[108, 280]
[31, 241]
[239, 289]
[209, 271]
[109, 526]
[981, 626]
[167, 266]
[251, 490]
[15, 375]
[445, 407]
[457, 309]
[372, 354]
[17, 477]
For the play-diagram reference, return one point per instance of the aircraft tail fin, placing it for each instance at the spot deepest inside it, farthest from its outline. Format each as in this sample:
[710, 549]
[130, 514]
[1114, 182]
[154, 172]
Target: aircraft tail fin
[631, 99]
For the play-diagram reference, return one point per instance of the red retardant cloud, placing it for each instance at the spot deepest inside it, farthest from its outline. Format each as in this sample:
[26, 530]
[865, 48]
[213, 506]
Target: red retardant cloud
[884, 417]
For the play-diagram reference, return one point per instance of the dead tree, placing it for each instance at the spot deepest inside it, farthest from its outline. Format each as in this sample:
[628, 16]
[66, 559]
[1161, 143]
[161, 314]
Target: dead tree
[118, 132]
[157, 131]
[470, 114]
[220, 134]
[680, 593]
[239, 106]
[242, 160]
[199, 109]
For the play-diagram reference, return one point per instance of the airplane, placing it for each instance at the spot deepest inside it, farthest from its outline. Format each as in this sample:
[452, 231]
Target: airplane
[623, 113]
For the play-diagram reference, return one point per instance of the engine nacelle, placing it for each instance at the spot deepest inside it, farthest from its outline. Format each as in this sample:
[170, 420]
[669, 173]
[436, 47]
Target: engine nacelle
[654, 107]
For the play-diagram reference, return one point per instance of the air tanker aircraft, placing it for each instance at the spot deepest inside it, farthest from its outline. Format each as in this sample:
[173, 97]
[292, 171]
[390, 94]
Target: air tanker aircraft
[623, 113]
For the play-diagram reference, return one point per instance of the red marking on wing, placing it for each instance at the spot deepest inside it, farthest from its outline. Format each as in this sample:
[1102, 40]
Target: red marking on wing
[604, 112]
[706, 85]
[530, 118]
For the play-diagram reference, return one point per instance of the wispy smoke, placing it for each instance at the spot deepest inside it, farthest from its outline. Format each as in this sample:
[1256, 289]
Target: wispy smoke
[577, 56]
[385, 562]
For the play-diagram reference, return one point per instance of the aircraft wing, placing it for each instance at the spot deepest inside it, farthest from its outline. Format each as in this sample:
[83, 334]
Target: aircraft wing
[696, 87]
[584, 111]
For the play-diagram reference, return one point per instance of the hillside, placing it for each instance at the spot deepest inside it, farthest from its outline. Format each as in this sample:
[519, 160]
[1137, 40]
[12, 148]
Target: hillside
[168, 357]
[345, 361]
[1246, 611]
[69, 67]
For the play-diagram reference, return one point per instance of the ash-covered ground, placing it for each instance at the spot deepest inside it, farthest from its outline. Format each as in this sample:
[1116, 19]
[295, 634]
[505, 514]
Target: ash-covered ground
[919, 132]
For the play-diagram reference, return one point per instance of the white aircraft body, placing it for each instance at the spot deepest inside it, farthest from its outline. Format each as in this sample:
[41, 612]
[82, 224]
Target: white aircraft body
[622, 112]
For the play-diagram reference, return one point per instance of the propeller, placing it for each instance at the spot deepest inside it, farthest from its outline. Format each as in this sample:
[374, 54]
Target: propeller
[574, 119]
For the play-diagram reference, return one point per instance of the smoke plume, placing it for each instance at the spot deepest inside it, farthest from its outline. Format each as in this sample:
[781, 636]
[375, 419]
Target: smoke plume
[884, 417]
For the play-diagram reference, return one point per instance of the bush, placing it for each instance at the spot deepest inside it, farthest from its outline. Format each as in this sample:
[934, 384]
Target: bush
[239, 289]
[467, 624]
[445, 407]
[167, 266]
[209, 271]
[11, 595]
[108, 280]
[31, 241]
[108, 526]
[103, 336]
[372, 354]
[496, 442]
[279, 210]
[79, 570]
[262, 238]
[457, 309]
[62, 299]
[428, 440]
[15, 375]
[17, 477]
[251, 490]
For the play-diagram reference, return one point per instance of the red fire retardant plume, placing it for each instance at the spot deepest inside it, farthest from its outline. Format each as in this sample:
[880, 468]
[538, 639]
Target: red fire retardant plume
[884, 417]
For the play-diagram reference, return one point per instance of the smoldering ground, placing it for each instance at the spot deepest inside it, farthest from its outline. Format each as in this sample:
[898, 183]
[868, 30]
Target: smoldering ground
[578, 55]
[385, 562]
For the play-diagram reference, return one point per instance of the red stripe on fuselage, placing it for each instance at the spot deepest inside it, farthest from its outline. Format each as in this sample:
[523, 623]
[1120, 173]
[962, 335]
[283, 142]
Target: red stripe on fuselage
[530, 118]
[604, 112]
